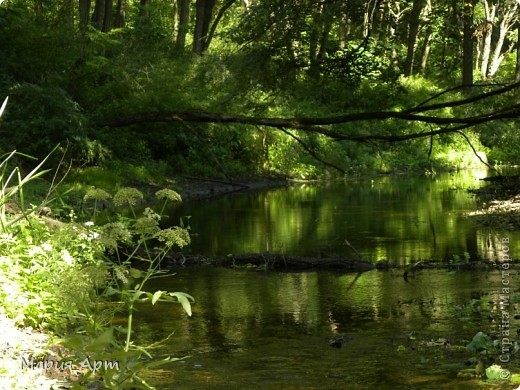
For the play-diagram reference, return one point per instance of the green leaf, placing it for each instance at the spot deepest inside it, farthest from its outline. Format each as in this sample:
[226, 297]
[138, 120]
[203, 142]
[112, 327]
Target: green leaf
[136, 273]
[111, 291]
[103, 339]
[156, 296]
[495, 372]
[184, 300]
[137, 294]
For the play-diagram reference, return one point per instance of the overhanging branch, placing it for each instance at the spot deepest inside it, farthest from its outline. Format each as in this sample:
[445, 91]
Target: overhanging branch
[317, 125]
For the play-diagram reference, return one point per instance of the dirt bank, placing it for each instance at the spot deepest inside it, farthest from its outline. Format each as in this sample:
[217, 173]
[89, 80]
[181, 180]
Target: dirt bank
[499, 203]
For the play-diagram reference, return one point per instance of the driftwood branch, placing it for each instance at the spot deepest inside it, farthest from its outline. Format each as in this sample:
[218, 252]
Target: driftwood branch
[230, 183]
[273, 261]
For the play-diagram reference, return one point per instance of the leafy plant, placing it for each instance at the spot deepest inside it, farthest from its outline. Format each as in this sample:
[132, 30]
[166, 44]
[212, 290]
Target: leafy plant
[100, 339]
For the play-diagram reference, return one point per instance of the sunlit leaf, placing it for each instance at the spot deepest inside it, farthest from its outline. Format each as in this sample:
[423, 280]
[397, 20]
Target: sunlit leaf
[495, 372]
[184, 299]
[156, 296]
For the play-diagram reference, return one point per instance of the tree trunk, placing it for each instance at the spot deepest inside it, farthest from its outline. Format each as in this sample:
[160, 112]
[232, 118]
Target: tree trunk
[343, 30]
[498, 56]
[425, 52]
[120, 19]
[395, 16]
[143, 10]
[368, 17]
[486, 42]
[98, 15]
[84, 13]
[467, 47]
[517, 70]
[379, 20]
[107, 20]
[218, 18]
[183, 8]
[203, 13]
[314, 37]
[324, 42]
[507, 22]
[175, 15]
[413, 31]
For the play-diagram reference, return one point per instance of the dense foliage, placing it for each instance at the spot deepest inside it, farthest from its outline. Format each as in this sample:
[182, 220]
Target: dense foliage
[67, 64]
[74, 279]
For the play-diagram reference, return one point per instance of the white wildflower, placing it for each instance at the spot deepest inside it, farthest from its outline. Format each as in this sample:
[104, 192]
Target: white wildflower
[47, 247]
[167, 194]
[67, 258]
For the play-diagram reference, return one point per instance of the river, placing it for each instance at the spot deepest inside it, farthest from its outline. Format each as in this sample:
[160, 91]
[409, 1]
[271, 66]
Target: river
[331, 330]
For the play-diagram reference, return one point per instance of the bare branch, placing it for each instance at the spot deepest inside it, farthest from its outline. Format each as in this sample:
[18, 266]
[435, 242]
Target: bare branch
[311, 152]
[317, 125]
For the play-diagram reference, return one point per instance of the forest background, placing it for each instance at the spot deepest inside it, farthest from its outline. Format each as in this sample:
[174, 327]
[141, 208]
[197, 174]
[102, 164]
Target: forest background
[113, 94]
[94, 76]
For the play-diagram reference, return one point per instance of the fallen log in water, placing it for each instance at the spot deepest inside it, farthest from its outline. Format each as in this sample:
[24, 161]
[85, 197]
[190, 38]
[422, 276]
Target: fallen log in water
[272, 261]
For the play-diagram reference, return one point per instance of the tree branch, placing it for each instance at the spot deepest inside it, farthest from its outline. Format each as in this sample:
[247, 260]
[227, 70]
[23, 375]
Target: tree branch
[456, 103]
[316, 125]
[312, 153]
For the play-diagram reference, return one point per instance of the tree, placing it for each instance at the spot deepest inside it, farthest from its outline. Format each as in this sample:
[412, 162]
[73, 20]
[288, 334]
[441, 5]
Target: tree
[203, 13]
[120, 18]
[413, 31]
[427, 41]
[500, 17]
[467, 45]
[326, 126]
[99, 14]
[517, 68]
[84, 13]
[316, 125]
[183, 17]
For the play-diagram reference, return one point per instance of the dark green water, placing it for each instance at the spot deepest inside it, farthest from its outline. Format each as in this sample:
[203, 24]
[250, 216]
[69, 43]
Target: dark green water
[401, 219]
[252, 330]
[266, 330]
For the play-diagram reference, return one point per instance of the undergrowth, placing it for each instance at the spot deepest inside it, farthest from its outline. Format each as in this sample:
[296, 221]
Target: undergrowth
[71, 278]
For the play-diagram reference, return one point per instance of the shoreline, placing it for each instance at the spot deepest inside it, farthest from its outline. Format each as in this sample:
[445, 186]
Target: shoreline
[194, 188]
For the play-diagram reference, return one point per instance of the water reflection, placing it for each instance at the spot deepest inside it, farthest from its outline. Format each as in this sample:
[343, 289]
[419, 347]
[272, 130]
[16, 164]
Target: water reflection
[401, 219]
[254, 330]
[269, 330]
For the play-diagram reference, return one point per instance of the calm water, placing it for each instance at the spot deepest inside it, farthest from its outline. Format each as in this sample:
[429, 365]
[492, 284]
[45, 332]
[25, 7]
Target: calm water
[266, 330]
[252, 330]
[401, 219]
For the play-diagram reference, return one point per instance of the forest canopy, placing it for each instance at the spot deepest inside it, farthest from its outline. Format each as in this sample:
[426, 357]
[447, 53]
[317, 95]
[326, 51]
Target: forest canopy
[228, 87]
